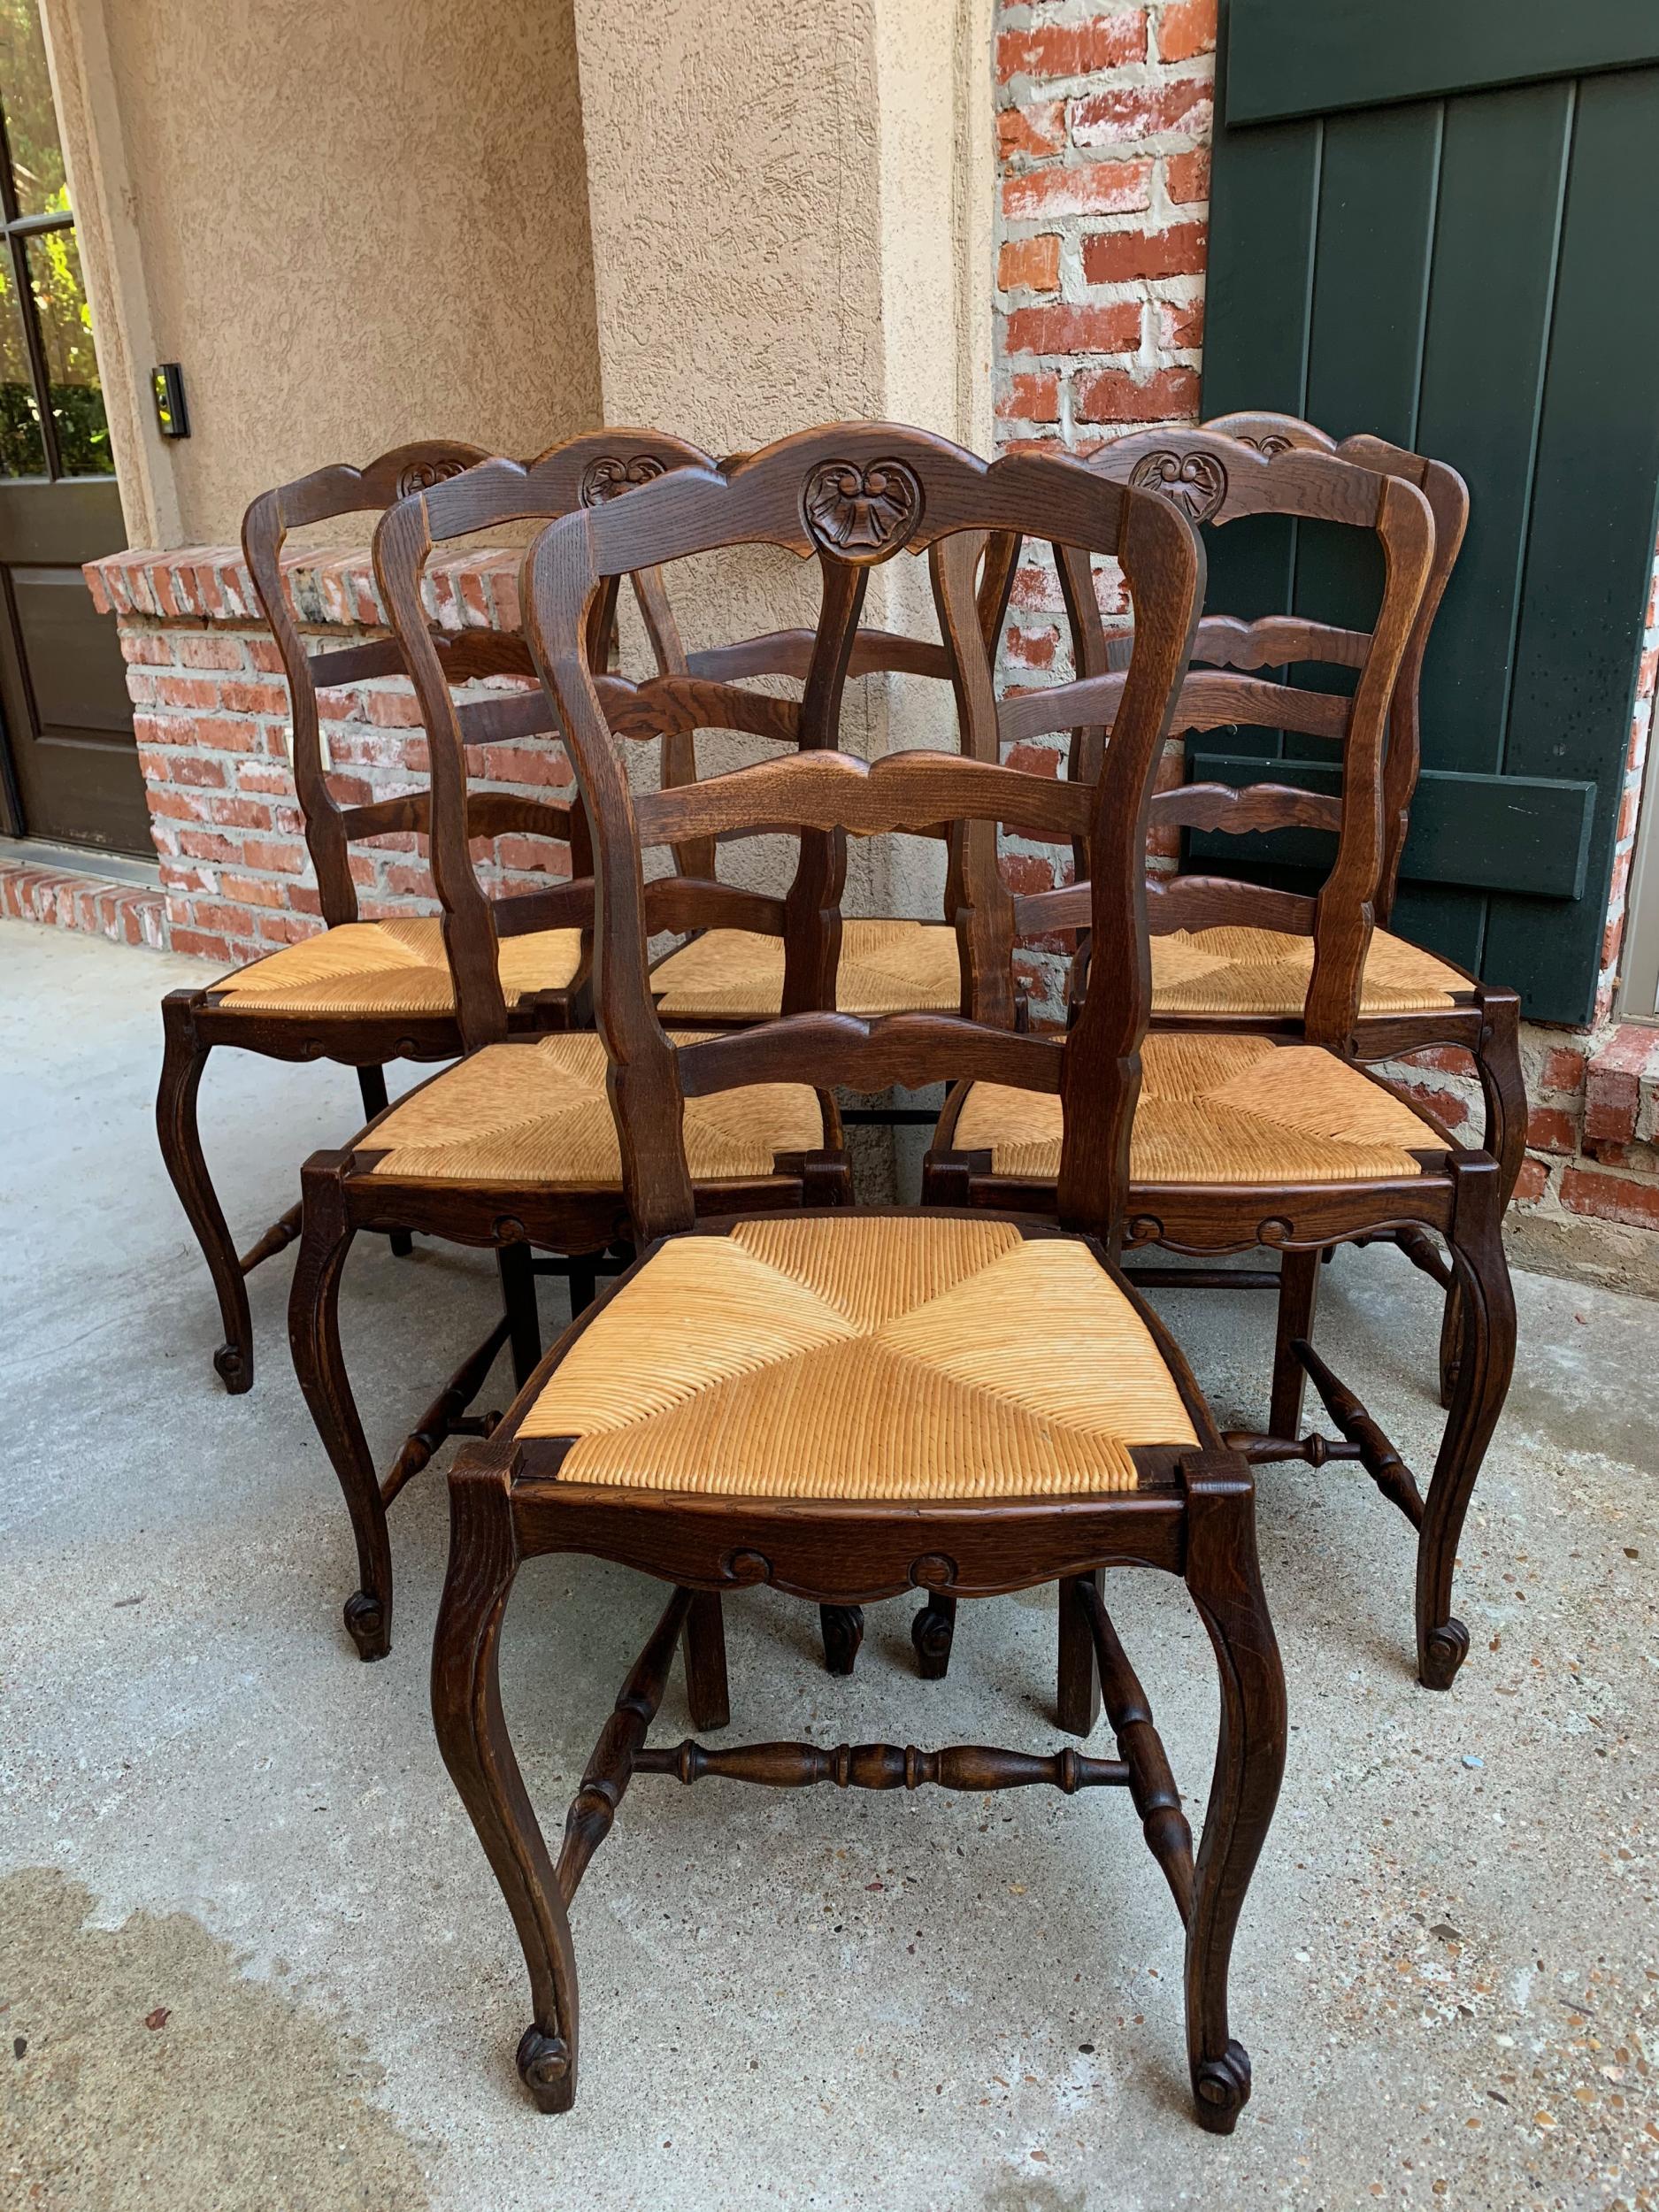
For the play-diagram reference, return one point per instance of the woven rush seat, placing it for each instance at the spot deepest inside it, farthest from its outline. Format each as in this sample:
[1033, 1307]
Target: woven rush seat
[536, 1113]
[1220, 1110]
[392, 968]
[892, 967]
[1265, 972]
[864, 1357]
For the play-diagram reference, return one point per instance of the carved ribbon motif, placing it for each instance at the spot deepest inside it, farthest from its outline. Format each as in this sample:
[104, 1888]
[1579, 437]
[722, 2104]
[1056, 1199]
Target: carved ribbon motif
[1195, 482]
[605, 478]
[421, 476]
[861, 514]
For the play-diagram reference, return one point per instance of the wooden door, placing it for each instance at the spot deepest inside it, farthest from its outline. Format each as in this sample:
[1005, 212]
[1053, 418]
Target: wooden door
[1433, 222]
[71, 763]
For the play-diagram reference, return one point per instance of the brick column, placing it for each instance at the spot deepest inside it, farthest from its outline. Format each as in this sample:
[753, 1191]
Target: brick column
[210, 712]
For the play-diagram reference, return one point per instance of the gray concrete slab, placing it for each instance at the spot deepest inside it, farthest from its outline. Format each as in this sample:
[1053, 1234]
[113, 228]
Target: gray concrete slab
[1448, 1975]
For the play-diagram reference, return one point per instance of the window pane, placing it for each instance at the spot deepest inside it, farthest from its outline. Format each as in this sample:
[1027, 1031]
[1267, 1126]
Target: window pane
[72, 367]
[26, 91]
[22, 452]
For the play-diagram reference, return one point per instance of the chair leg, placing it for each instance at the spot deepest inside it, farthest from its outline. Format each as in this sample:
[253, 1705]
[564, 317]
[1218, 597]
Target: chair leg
[584, 1282]
[704, 1640]
[932, 1632]
[517, 1265]
[1503, 1087]
[371, 1084]
[1224, 1580]
[1484, 1364]
[472, 1737]
[326, 1239]
[184, 1056]
[843, 1630]
[1079, 1700]
[1298, 1299]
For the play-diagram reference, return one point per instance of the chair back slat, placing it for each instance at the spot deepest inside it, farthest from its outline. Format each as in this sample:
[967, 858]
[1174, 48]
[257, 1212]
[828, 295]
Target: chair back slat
[870, 1055]
[789, 653]
[1258, 806]
[1209, 699]
[1278, 641]
[851, 497]
[670, 706]
[826, 791]
[324, 494]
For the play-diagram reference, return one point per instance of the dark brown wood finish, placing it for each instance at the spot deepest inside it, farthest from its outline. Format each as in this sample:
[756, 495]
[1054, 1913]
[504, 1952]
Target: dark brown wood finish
[1486, 1025]
[1214, 478]
[849, 496]
[195, 1021]
[343, 1193]
[1217, 480]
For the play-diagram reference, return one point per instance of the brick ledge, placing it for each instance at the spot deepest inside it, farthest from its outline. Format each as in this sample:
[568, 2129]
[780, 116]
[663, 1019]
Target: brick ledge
[63, 898]
[332, 587]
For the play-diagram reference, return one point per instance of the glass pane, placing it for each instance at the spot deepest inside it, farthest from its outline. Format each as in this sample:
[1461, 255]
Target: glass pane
[25, 92]
[72, 367]
[22, 452]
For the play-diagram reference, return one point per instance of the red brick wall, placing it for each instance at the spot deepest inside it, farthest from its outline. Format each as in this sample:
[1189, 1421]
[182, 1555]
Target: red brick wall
[1104, 118]
[211, 719]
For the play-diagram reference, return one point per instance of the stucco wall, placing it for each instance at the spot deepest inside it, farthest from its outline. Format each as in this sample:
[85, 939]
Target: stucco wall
[356, 225]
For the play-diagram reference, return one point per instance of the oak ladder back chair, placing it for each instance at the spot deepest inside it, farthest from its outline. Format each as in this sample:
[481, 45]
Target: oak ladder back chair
[513, 1148]
[1270, 1133]
[1483, 1019]
[850, 1404]
[362, 992]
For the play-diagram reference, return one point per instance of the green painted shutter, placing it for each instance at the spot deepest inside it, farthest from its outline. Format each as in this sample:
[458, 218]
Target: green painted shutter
[1435, 222]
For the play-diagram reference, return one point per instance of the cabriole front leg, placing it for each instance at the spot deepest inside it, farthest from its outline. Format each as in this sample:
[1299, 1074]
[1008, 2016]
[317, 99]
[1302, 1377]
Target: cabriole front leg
[1484, 1364]
[472, 1737]
[184, 1056]
[1225, 1582]
[325, 1238]
[1503, 1090]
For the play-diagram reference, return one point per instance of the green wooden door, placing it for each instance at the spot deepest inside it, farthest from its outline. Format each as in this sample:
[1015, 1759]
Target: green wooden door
[1435, 220]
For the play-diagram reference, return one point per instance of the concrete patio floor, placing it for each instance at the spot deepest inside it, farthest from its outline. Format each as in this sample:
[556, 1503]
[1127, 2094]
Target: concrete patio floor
[250, 1955]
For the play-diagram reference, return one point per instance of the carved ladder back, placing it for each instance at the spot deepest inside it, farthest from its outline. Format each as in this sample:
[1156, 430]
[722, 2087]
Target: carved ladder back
[320, 497]
[581, 473]
[1448, 495]
[1215, 481]
[851, 497]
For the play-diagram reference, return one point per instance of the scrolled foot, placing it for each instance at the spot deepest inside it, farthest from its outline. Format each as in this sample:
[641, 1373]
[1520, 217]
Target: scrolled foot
[1221, 2089]
[1443, 1651]
[843, 1627]
[544, 2067]
[931, 1633]
[236, 1371]
[367, 1625]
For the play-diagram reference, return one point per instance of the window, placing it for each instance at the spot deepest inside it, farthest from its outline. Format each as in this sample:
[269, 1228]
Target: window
[52, 422]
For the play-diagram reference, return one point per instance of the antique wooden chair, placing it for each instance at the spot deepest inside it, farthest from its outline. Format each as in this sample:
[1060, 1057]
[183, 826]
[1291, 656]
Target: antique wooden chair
[1483, 1019]
[515, 1148]
[1268, 1132]
[1249, 967]
[849, 1405]
[362, 992]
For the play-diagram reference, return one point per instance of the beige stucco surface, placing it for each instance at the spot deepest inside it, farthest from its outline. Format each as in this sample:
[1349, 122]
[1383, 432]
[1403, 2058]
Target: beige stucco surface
[791, 223]
[356, 225]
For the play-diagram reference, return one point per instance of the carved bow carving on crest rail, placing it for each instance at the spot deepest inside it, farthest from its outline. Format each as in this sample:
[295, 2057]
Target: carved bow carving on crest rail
[1269, 445]
[861, 514]
[421, 476]
[1195, 482]
[607, 478]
